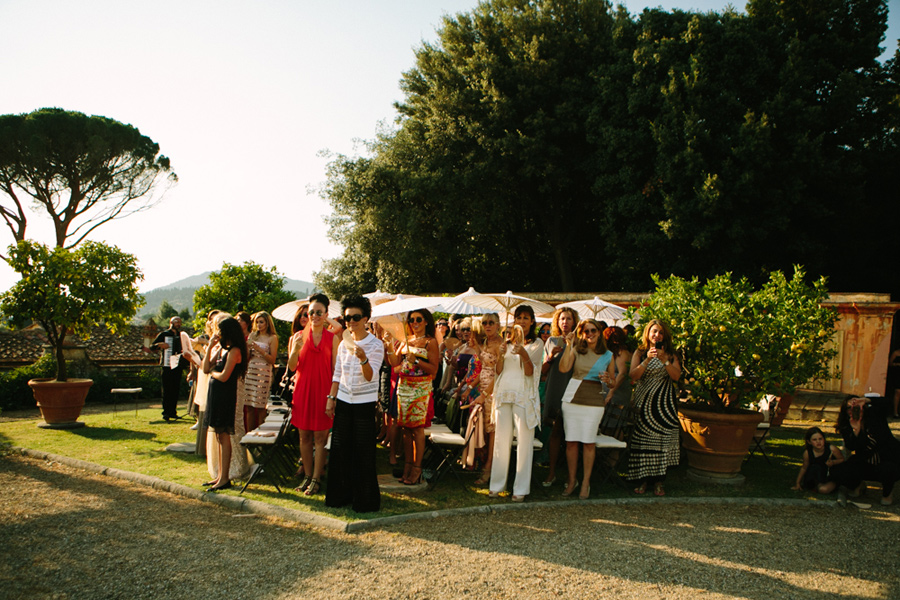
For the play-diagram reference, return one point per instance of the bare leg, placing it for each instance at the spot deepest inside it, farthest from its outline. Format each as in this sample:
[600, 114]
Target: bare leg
[306, 452]
[827, 488]
[590, 451]
[321, 438]
[224, 459]
[408, 454]
[572, 463]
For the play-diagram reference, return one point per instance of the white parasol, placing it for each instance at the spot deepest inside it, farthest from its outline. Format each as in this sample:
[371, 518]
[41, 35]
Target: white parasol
[507, 303]
[286, 311]
[392, 315]
[597, 309]
[378, 297]
[458, 305]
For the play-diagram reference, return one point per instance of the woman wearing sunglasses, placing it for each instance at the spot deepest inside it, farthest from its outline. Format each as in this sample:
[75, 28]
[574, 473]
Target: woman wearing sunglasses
[417, 360]
[592, 366]
[313, 353]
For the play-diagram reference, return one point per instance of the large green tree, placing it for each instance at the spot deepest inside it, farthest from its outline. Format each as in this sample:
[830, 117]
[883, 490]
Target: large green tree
[70, 291]
[249, 287]
[82, 171]
[564, 145]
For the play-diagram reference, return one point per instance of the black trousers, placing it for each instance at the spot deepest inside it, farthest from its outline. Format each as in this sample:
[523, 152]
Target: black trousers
[352, 479]
[171, 385]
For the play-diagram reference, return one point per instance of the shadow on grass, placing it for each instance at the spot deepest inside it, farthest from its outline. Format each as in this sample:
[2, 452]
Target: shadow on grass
[112, 434]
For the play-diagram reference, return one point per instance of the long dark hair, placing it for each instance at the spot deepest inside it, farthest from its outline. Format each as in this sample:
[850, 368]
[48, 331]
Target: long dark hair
[232, 336]
[808, 436]
[616, 339]
[531, 333]
[429, 320]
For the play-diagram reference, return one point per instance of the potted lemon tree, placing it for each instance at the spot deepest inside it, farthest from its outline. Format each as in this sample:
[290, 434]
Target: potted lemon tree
[738, 343]
[67, 292]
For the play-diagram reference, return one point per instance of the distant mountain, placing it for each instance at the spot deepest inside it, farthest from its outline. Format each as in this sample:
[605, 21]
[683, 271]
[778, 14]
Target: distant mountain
[180, 294]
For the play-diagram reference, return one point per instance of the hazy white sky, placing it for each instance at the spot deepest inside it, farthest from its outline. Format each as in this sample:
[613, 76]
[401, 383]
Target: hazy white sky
[243, 97]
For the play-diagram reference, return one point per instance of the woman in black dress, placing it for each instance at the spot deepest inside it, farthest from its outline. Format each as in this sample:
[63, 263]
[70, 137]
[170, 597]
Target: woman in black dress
[226, 363]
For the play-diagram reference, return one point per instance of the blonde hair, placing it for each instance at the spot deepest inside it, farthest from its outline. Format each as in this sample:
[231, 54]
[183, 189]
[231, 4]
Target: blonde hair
[554, 327]
[270, 325]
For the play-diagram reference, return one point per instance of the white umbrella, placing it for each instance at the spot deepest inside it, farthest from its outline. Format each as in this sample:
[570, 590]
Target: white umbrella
[392, 315]
[378, 297]
[507, 303]
[458, 305]
[597, 309]
[286, 311]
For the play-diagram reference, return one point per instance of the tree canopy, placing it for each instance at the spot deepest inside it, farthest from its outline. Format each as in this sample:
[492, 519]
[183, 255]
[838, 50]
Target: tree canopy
[249, 287]
[82, 171]
[565, 145]
[70, 291]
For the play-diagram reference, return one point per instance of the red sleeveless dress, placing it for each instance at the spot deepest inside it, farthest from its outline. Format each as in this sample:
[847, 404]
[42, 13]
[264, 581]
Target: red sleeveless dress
[314, 372]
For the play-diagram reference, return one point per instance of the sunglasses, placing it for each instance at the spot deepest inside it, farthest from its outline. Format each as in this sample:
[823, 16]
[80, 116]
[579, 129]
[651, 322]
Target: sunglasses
[354, 318]
[465, 329]
[316, 313]
[443, 324]
[415, 320]
[587, 331]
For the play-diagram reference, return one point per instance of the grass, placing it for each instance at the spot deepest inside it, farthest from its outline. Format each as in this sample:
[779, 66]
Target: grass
[137, 442]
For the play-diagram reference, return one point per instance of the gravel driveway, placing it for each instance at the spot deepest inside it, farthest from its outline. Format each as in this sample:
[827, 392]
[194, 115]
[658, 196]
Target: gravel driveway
[66, 533]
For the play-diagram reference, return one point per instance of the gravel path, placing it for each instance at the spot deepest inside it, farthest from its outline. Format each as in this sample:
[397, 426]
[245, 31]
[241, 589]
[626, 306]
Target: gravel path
[67, 533]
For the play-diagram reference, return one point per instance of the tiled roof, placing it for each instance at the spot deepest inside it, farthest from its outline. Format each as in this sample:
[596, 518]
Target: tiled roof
[26, 346]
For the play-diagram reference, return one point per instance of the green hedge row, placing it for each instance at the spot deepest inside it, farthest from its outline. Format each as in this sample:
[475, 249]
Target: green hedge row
[15, 393]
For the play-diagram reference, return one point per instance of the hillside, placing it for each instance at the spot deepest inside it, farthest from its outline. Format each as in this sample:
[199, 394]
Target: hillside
[180, 294]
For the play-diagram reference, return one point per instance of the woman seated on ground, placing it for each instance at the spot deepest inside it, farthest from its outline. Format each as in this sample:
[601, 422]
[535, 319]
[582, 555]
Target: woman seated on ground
[862, 422]
[655, 438]
[820, 460]
[352, 478]
[591, 365]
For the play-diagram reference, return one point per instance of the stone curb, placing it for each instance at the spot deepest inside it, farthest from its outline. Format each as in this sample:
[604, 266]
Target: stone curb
[238, 504]
[233, 503]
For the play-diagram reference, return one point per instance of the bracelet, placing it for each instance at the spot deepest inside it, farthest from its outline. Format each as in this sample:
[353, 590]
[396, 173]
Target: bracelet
[363, 362]
[330, 397]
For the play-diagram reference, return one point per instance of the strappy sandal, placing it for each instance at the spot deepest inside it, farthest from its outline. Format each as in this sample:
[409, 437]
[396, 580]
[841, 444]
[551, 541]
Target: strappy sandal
[641, 489]
[484, 478]
[303, 486]
[413, 480]
[313, 488]
[659, 490]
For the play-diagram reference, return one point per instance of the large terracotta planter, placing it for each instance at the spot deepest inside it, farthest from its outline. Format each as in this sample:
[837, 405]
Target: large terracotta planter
[717, 443]
[60, 401]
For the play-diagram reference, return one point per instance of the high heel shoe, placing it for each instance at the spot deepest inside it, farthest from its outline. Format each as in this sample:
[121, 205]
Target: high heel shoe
[313, 488]
[413, 480]
[570, 489]
[585, 492]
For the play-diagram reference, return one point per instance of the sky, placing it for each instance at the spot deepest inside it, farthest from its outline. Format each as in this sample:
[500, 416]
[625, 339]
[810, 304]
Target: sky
[247, 99]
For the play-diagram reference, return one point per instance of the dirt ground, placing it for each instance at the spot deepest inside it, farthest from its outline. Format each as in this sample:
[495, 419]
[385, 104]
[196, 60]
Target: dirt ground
[66, 533]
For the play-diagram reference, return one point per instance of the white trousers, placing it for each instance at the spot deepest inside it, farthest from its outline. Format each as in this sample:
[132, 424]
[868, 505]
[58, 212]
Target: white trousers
[511, 418]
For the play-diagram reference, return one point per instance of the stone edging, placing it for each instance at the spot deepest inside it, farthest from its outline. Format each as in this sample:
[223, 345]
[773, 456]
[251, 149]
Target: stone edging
[262, 508]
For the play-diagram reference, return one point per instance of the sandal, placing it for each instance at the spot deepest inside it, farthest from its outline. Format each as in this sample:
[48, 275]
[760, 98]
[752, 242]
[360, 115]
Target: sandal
[484, 478]
[659, 490]
[413, 480]
[313, 488]
[303, 486]
[641, 488]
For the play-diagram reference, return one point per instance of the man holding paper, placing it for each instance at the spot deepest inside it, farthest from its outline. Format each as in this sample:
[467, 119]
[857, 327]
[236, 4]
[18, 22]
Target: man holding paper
[172, 363]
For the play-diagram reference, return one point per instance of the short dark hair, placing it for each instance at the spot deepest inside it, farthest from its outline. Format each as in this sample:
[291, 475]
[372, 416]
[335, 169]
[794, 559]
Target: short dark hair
[321, 299]
[355, 301]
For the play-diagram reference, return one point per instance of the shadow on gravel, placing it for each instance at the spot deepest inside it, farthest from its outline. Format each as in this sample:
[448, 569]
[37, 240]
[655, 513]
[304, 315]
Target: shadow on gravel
[753, 552]
[81, 537]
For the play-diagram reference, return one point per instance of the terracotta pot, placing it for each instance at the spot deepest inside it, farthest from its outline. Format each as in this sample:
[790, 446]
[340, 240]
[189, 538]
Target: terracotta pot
[717, 443]
[60, 401]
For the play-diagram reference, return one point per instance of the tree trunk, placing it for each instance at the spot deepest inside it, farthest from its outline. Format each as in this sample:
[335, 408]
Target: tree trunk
[61, 371]
[560, 252]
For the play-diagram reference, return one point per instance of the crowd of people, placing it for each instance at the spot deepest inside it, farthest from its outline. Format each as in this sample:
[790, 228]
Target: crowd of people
[493, 382]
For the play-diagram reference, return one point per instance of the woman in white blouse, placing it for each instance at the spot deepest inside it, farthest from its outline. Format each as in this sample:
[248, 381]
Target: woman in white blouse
[352, 479]
[517, 405]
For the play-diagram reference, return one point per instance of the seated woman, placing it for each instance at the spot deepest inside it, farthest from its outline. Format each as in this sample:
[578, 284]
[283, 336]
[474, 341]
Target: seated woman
[819, 459]
[875, 456]
[592, 366]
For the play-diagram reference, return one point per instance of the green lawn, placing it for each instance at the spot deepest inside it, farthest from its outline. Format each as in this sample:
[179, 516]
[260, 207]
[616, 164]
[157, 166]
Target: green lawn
[137, 443]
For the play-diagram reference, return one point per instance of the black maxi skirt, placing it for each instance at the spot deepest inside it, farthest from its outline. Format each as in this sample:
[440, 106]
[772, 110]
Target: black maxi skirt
[352, 479]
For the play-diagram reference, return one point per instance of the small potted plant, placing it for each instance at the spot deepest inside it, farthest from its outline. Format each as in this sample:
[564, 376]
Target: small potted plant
[67, 292]
[737, 344]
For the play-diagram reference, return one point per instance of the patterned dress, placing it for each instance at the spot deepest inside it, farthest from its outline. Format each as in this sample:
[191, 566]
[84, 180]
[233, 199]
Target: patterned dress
[654, 442]
[258, 380]
[489, 361]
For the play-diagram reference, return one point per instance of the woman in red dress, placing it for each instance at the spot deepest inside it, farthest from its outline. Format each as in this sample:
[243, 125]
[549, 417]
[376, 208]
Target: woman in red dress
[313, 352]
